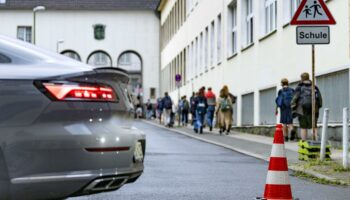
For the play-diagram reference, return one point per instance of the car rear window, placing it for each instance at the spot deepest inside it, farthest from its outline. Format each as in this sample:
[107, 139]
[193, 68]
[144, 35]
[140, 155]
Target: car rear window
[4, 59]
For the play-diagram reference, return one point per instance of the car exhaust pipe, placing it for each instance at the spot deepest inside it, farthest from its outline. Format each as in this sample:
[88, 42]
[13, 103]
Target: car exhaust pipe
[103, 184]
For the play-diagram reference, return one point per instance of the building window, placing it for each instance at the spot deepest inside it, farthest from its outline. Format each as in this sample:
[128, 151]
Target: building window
[99, 31]
[219, 40]
[24, 33]
[249, 22]
[192, 60]
[187, 61]
[201, 52]
[72, 54]
[212, 41]
[294, 6]
[100, 59]
[131, 62]
[232, 28]
[206, 49]
[289, 9]
[152, 93]
[196, 55]
[125, 59]
[270, 15]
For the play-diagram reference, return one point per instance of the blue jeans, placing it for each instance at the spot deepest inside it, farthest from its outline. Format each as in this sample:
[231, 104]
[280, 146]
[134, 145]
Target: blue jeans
[149, 114]
[184, 117]
[210, 115]
[199, 120]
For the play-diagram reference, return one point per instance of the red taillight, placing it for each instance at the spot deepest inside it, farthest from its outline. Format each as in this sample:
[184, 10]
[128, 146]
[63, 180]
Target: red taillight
[80, 92]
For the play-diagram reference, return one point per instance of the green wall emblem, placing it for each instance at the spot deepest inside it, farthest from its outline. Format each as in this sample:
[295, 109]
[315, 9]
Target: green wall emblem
[99, 31]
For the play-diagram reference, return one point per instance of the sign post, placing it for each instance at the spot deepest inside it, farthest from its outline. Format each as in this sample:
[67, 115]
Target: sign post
[309, 16]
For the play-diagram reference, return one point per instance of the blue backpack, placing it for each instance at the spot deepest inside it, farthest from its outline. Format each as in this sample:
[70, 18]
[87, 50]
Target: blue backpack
[284, 99]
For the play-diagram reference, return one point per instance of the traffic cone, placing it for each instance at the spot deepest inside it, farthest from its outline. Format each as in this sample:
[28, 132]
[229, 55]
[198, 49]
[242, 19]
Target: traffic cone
[277, 183]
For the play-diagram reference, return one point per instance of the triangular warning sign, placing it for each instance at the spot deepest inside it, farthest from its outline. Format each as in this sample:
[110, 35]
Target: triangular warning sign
[313, 12]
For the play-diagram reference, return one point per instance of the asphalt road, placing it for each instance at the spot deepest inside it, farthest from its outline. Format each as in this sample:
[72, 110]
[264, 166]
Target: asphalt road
[180, 168]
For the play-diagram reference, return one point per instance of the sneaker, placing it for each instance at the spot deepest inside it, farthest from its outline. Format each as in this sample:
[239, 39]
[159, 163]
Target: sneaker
[195, 130]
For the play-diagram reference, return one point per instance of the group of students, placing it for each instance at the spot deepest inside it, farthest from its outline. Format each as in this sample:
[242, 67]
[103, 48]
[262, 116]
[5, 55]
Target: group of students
[203, 106]
[297, 104]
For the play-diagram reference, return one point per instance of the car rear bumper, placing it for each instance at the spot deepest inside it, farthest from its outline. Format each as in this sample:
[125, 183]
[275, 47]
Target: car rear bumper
[62, 185]
[57, 161]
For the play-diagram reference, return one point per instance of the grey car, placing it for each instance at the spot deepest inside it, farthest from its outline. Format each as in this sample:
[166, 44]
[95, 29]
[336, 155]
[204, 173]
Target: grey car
[65, 127]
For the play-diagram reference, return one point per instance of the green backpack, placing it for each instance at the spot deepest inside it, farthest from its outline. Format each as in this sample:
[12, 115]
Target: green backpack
[225, 105]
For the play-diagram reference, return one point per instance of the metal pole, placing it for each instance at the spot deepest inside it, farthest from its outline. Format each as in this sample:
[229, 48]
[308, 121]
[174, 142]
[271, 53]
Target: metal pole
[313, 96]
[34, 26]
[345, 137]
[324, 134]
[178, 104]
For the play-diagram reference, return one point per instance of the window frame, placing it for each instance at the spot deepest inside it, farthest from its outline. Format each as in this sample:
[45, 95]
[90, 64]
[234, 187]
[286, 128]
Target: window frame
[219, 39]
[212, 42]
[25, 38]
[232, 29]
[270, 14]
[100, 52]
[249, 20]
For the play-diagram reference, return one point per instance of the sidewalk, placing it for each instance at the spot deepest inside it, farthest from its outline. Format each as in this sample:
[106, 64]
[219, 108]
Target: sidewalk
[258, 147]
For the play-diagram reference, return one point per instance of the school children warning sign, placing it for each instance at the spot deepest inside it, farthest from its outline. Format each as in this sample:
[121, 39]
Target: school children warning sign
[313, 12]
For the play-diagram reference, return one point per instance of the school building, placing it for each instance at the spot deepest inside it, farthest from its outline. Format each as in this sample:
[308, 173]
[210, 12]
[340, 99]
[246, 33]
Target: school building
[250, 46]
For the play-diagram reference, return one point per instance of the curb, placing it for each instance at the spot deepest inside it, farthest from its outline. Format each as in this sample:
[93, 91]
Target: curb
[318, 175]
[260, 157]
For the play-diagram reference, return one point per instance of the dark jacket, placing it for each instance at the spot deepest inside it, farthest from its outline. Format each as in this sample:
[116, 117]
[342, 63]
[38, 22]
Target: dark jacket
[199, 100]
[297, 104]
[167, 100]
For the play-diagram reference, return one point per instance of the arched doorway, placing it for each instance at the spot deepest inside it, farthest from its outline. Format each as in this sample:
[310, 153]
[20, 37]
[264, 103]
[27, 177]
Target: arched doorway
[131, 62]
[71, 54]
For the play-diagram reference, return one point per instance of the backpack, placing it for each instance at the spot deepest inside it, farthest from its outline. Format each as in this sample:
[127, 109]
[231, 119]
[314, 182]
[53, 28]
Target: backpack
[185, 106]
[167, 103]
[225, 105]
[306, 97]
[201, 107]
[284, 100]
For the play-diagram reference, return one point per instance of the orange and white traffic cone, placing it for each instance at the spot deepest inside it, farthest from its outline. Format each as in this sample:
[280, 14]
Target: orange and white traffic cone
[277, 183]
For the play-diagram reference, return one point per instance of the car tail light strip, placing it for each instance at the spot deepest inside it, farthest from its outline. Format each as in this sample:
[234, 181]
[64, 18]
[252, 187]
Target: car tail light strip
[71, 92]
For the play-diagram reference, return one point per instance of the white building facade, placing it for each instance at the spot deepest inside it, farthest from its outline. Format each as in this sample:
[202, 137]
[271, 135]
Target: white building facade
[101, 33]
[250, 46]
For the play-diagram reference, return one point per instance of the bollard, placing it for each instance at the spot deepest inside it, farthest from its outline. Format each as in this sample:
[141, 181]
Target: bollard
[345, 137]
[324, 138]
